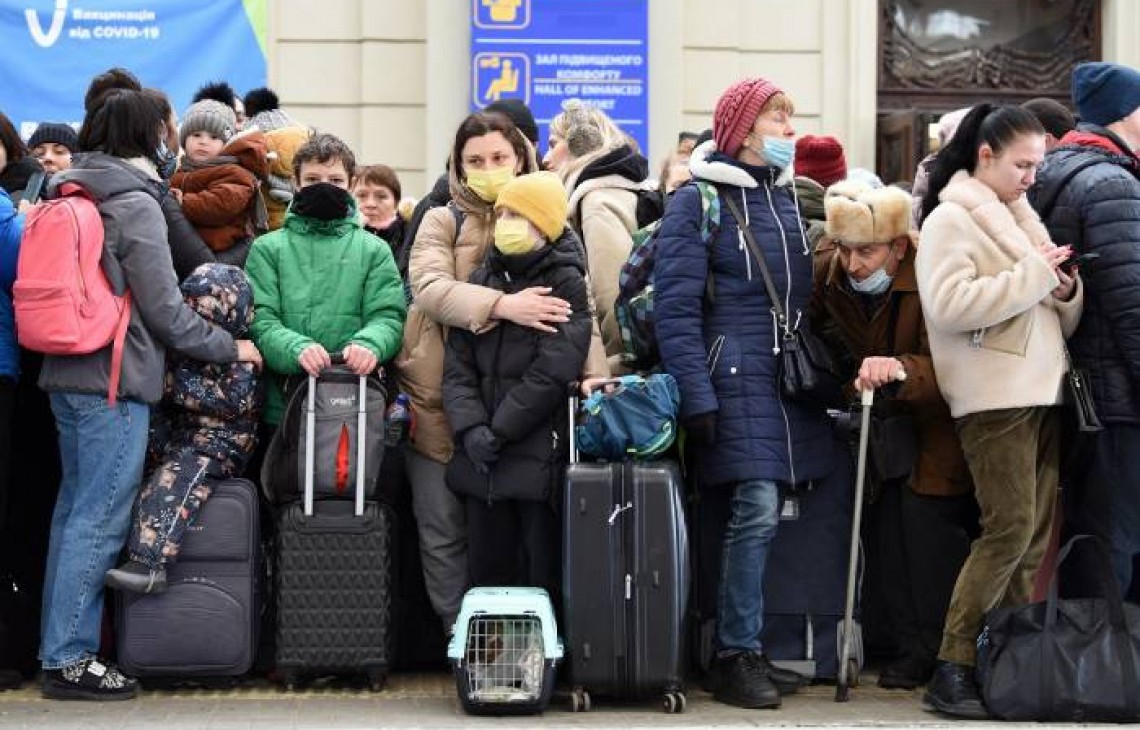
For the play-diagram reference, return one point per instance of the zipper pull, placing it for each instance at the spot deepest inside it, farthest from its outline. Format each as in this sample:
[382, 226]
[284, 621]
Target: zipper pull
[976, 338]
[618, 509]
[628, 587]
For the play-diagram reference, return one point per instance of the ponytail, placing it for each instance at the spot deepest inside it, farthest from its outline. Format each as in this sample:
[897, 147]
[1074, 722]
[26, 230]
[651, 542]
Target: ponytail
[984, 124]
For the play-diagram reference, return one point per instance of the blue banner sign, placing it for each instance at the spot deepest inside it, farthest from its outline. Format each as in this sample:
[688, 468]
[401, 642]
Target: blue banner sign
[545, 51]
[52, 49]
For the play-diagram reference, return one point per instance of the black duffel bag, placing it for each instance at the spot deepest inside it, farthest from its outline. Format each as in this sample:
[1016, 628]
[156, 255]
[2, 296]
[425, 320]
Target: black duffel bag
[1072, 660]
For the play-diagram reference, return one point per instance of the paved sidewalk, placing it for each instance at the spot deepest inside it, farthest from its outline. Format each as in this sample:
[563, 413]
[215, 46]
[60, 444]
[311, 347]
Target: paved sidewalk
[429, 701]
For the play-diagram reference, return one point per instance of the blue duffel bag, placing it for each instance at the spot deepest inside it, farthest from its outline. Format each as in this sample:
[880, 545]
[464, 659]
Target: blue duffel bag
[633, 417]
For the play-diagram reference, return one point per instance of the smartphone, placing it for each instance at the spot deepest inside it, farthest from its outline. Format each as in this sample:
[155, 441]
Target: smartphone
[34, 187]
[1075, 262]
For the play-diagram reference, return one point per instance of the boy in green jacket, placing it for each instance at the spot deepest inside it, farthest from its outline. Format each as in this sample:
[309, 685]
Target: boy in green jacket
[321, 283]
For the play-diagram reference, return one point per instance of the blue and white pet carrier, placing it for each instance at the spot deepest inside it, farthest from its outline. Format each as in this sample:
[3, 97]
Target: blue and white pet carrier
[505, 650]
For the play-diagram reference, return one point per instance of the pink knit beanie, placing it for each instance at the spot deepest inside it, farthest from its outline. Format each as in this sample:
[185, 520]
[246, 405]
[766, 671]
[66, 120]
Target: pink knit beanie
[736, 112]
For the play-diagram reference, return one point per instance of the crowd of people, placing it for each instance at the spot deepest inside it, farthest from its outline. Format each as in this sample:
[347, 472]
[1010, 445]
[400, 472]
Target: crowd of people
[255, 249]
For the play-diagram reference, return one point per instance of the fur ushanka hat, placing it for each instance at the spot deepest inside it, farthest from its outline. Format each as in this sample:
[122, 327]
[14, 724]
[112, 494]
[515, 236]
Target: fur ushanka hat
[858, 214]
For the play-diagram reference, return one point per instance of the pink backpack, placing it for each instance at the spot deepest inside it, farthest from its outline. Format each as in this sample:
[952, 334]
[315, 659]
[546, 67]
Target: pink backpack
[63, 301]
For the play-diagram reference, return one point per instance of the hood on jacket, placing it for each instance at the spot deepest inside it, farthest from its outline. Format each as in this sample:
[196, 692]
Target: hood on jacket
[706, 163]
[464, 197]
[810, 195]
[15, 176]
[251, 150]
[104, 176]
[621, 161]
[221, 294]
[564, 251]
[1083, 142]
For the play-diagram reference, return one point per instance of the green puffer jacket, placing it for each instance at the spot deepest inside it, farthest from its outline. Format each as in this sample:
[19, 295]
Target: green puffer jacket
[330, 283]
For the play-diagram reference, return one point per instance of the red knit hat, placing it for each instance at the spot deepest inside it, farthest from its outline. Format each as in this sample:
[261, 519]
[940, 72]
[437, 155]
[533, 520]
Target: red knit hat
[821, 159]
[736, 112]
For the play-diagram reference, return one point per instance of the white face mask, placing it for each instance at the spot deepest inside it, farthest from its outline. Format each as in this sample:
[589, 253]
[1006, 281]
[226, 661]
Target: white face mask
[876, 283]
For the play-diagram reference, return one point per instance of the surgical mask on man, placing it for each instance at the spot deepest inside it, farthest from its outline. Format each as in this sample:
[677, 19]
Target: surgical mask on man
[165, 160]
[876, 283]
[512, 236]
[487, 183]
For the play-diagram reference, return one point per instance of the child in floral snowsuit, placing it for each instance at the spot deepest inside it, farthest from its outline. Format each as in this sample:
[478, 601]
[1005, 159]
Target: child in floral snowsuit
[205, 427]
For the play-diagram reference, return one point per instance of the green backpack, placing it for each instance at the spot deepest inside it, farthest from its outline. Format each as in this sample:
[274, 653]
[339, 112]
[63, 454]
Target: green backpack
[633, 307]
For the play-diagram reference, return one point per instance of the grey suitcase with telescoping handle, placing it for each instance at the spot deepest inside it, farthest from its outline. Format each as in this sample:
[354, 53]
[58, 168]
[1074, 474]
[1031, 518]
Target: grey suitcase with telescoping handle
[334, 569]
[625, 579]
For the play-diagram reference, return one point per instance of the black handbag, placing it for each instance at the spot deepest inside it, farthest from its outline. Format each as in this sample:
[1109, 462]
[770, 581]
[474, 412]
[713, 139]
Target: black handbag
[1080, 398]
[806, 371]
[1072, 660]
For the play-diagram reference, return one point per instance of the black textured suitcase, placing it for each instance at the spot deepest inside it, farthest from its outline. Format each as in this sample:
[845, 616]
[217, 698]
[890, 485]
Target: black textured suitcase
[206, 623]
[625, 580]
[334, 580]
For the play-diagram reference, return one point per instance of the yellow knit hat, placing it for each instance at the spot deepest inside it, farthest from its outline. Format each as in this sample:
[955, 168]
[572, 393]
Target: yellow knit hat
[540, 198]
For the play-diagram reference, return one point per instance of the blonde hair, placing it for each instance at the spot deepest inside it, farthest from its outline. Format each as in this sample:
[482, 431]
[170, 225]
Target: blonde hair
[585, 129]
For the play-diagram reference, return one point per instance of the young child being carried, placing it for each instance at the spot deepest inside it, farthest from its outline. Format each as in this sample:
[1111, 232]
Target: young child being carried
[218, 180]
[504, 392]
[204, 428]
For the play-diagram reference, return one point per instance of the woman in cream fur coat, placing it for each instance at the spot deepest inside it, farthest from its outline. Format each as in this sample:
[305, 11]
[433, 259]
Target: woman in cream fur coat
[999, 304]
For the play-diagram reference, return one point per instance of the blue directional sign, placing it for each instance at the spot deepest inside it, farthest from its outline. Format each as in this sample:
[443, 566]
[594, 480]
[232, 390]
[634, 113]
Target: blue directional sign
[546, 51]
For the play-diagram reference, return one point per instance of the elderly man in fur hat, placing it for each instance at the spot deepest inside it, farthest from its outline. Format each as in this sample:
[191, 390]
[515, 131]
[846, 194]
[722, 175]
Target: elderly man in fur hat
[865, 303]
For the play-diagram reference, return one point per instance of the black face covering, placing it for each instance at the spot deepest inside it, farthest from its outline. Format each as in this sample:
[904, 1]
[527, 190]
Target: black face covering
[323, 201]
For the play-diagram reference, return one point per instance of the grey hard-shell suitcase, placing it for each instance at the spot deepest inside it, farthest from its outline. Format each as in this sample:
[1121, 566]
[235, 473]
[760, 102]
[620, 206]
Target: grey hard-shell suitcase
[206, 623]
[334, 576]
[625, 580]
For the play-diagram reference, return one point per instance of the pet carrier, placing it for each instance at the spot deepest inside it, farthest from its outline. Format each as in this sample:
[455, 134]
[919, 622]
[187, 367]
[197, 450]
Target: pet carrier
[505, 650]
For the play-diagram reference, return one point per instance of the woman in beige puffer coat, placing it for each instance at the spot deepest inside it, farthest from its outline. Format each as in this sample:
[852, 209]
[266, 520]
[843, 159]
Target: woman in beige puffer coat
[451, 243]
[603, 174]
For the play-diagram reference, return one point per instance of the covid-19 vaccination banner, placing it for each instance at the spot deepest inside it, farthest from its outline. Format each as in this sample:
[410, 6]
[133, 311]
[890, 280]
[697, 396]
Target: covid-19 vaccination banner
[50, 50]
[546, 51]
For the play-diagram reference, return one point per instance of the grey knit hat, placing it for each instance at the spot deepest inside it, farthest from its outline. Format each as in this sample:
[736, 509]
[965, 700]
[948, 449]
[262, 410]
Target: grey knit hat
[269, 120]
[208, 116]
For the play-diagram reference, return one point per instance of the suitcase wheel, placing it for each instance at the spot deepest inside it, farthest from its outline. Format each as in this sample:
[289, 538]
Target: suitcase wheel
[579, 700]
[377, 681]
[290, 680]
[674, 702]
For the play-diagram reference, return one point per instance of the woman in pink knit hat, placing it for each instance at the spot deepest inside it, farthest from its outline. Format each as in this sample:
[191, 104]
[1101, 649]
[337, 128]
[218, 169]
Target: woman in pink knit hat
[721, 349]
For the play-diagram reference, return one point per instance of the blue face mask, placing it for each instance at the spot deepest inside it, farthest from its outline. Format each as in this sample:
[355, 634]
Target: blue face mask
[876, 283]
[779, 151]
[165, 160]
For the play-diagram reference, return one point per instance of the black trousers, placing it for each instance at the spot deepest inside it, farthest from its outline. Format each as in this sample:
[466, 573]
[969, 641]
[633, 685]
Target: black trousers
[916, 545]
[515, 543]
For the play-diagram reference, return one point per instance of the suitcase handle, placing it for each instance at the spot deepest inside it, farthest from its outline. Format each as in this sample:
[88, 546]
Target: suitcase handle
[572, 410]
[361, 438]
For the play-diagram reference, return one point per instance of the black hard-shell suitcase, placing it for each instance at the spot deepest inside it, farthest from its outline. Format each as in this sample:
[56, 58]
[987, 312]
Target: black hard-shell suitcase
[334, 581]
[207, 621]
[625, 580]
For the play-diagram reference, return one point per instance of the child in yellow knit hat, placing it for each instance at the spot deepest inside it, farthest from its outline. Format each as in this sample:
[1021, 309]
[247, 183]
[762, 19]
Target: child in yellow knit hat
[504, 392]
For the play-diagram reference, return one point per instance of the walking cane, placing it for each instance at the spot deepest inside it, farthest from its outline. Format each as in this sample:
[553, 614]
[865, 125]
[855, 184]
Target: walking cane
[844, 682]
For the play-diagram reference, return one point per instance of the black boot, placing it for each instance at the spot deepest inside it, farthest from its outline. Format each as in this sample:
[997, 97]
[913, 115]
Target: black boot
[786, 681]
[742, 680]
[907, 672]
[136, 577]
[953, 691]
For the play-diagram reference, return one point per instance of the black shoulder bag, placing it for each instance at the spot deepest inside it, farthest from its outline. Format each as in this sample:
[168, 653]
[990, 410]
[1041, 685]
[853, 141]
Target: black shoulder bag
[805, 371]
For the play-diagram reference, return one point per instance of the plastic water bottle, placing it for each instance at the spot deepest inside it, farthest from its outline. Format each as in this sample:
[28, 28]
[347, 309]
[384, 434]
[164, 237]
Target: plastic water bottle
[398, 424]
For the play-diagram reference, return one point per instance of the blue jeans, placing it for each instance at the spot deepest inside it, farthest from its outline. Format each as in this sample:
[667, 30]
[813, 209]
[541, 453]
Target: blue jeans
[747, 539]
[102, 450]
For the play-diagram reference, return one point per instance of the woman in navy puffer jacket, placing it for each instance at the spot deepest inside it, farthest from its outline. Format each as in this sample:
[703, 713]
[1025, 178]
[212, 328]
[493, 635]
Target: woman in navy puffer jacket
[722, 353]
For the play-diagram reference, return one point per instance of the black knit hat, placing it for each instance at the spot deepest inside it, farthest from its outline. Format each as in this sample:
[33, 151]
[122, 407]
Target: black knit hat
[518, 113]
[56, 132]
